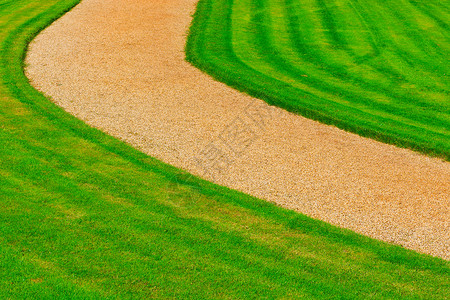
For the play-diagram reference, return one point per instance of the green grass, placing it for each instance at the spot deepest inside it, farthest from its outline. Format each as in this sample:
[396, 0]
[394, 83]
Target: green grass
[85, 216]
[378, 68]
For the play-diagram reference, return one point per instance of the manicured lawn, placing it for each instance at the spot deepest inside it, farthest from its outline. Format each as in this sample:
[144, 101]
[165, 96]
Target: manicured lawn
[85, 216]
[379, 68]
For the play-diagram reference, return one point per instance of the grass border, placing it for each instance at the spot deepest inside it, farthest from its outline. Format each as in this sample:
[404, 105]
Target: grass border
[13, 52]
[194, 41]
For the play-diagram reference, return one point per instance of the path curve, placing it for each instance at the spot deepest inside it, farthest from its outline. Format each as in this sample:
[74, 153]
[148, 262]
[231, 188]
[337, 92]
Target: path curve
[119, 66]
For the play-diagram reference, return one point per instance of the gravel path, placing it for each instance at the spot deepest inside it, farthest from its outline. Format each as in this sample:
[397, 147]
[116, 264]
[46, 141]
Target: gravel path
[119, 66]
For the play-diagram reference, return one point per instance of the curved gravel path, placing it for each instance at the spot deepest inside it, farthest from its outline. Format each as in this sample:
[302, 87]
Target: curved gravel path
[119, 66]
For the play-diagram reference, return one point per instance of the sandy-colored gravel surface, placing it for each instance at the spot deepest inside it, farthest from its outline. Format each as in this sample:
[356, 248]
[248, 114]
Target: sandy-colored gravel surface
[119, 65]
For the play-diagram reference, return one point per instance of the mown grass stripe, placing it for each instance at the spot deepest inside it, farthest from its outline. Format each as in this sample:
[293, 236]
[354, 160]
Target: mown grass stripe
[395, 93]
[269, 53]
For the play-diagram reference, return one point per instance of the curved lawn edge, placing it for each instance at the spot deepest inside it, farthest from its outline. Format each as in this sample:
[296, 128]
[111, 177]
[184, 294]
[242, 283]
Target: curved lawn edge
[193, 51]
[14, 80]
[27, 94]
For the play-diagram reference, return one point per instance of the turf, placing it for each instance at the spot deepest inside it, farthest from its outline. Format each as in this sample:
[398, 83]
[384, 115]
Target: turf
[378, 68]
[85, 216]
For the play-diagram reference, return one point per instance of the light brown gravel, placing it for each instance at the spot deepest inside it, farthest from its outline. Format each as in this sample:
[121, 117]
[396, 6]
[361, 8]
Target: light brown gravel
[119, 66]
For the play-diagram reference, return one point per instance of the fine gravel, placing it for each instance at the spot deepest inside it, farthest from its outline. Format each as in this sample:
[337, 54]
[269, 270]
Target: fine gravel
[119, 66]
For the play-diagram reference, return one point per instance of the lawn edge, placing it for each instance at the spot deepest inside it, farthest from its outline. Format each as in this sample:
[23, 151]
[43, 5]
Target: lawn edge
[193, 41]
[18, 85]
